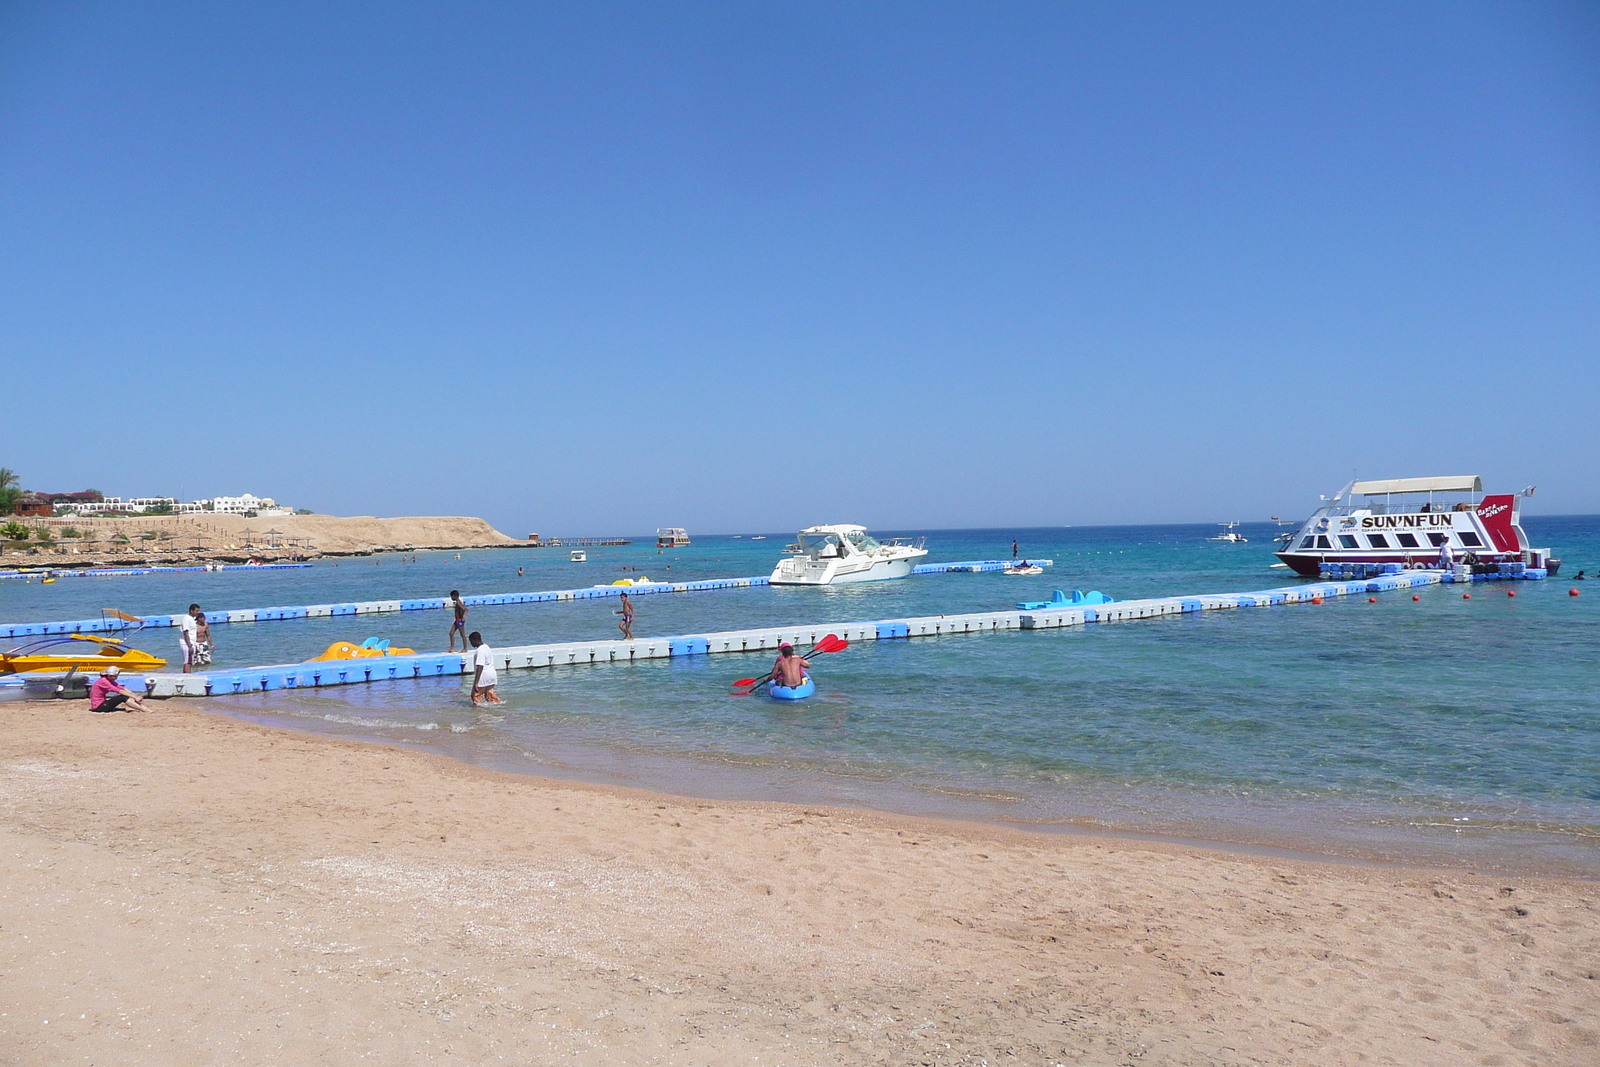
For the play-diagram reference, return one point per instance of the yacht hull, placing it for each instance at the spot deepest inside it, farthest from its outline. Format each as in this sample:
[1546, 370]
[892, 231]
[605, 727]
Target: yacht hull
[808, 572]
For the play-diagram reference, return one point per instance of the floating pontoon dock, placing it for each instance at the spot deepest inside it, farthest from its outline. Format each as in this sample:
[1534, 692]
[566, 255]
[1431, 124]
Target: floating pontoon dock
[346, 672]
[378, 607]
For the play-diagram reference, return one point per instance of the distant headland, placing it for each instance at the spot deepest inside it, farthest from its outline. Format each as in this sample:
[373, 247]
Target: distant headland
[176, 540]
[90, 529]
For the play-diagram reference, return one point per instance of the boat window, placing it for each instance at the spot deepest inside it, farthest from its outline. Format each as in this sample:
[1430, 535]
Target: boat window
[1347, 540]
[1377, 541]
[1438, 538]
[1322, 541]
[819, 543]
[1308, 542]
[1470, 540]
[1407, 540]
[862, 541]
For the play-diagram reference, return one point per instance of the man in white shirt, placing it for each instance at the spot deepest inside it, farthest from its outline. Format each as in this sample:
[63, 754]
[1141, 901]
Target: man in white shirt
[189, 636]
[483, 675]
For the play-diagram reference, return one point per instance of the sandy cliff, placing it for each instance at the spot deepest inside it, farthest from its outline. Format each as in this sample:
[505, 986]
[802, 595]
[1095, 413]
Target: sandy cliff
[190, 538]
[361, 533]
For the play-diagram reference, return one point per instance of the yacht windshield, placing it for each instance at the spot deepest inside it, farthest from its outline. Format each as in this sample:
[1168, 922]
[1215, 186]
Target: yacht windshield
[819, 543]
[862, 542]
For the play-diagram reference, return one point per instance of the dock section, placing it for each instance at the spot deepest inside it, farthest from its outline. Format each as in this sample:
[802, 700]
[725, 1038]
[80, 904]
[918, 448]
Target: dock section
[572, 653]
[378, 607]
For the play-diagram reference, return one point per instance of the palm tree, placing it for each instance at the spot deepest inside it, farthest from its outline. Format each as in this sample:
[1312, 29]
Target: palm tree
[8, 490]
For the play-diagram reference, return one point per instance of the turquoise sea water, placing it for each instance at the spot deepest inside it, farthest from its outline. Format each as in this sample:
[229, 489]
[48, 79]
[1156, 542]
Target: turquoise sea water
[1437, 730]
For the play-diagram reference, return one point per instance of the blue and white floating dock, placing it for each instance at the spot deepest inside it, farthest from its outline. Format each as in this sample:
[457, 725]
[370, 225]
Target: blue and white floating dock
[378, 607]
[326, 673]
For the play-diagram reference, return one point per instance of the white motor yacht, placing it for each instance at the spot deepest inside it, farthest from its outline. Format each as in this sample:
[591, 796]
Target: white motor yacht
[1229, 535]
[836, 555]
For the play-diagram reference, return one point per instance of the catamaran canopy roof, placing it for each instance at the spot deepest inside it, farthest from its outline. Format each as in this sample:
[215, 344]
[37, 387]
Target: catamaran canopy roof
[1466, 483]
[820, 530]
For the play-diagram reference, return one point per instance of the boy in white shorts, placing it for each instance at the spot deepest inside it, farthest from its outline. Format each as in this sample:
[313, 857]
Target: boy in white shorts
[483, 673]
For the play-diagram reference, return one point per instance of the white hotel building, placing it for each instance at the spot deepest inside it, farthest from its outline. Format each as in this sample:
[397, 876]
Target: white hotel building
[235, 505]
[219, 505]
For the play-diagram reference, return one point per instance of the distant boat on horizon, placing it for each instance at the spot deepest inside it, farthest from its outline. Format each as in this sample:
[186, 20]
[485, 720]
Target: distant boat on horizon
[1229, 536]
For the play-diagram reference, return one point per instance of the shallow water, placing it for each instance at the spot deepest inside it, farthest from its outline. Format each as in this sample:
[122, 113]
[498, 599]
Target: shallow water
[1436, 730]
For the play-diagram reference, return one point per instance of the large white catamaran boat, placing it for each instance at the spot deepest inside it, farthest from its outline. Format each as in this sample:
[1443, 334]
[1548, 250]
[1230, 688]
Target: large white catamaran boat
[836, 555]
[1416, 522]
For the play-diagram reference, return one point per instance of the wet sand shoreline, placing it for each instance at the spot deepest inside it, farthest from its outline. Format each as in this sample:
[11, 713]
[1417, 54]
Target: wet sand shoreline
[185, 887]
[1305, 831]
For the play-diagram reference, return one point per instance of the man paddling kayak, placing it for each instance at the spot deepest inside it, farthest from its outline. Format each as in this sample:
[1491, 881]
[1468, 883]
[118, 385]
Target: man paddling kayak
[789, 670]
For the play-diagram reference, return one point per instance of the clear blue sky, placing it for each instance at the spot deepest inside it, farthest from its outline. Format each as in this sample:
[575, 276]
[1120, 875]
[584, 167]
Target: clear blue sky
[588, 268]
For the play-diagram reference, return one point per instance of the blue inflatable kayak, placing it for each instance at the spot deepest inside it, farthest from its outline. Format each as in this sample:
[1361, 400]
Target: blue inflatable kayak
[799, 692]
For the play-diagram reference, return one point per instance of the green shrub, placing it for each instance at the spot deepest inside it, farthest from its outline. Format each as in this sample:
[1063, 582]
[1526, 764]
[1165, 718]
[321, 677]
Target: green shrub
[41, 533]
[71, 531]
[14, 531]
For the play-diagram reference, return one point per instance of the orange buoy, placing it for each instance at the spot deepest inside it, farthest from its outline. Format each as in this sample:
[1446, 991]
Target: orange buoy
[1572, 592]
[1415, 597]
[1372, 600]
[1316, 600]
[1511, 592]
[1466, 596]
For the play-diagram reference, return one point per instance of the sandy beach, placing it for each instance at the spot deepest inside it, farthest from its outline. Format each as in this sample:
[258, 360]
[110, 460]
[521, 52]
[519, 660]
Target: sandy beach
[181, 887]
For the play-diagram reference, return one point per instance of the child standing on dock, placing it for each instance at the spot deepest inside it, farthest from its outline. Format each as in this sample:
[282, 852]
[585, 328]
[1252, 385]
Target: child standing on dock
[626, 625]
[484, 677]
[460, 625]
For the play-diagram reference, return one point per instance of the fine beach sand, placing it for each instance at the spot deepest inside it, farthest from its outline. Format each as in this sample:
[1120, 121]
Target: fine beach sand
[184, 888]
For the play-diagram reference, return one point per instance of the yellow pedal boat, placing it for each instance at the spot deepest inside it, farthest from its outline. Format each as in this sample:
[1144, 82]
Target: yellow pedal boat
[370, 648]
[82, 653]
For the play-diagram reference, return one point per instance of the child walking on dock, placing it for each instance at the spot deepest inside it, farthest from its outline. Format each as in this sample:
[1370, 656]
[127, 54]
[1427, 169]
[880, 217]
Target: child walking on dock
[626, 625]
[460, 625]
